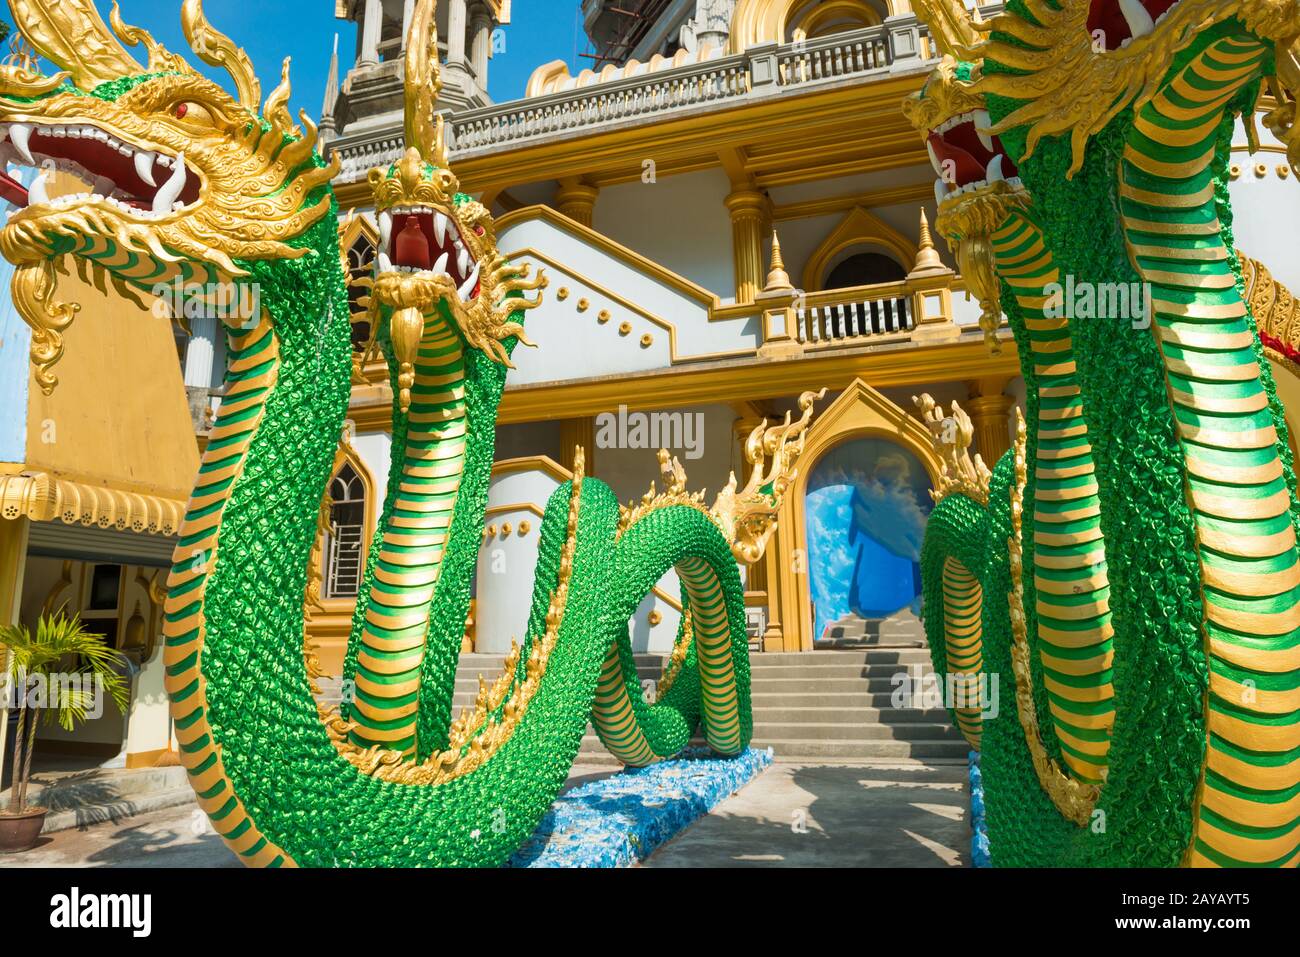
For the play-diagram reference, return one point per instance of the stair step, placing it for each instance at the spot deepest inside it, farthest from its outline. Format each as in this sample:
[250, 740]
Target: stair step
[819, 686]
[878, 654]
[813, 748]
[801, 714]
[840, 671]
[860, 731]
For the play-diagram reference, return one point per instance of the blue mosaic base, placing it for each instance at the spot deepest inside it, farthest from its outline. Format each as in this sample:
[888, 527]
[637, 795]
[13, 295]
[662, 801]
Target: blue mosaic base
[979, 842]
[619, 820]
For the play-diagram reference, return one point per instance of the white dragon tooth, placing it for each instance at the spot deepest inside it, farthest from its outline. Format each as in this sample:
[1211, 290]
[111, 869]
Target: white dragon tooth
[467, 287]
[1139, 21]
[144, 166]
[383, 263]
[170, 191]
[982, 122]
[993, 173]
[934, 159]
[440, 224]
[21, 134]
[940, 190]
[441, 265]
[462, 260]
[385, 228]
[36, 192]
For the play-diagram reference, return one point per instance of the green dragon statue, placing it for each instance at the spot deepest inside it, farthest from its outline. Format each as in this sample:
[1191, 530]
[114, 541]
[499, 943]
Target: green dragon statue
[1155, 648]
[189, 183]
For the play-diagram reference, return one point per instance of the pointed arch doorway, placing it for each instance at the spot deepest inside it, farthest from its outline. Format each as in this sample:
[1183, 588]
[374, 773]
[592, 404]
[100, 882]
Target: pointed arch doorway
[851, 527]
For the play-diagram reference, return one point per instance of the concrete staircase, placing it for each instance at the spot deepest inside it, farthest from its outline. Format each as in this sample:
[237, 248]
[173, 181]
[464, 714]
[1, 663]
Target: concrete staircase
[828, 705]
[811, 706]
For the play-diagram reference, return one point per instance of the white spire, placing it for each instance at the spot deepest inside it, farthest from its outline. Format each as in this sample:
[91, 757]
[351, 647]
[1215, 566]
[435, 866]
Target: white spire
[331, 91]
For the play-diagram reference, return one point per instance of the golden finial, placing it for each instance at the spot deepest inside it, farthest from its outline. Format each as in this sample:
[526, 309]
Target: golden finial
[928, 262]
[777, 278]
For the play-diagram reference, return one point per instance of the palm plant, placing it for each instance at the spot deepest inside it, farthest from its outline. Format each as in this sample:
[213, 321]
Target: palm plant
[70, 690]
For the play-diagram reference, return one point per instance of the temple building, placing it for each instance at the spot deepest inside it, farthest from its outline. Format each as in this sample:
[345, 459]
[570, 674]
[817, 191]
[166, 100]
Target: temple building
[731, 209]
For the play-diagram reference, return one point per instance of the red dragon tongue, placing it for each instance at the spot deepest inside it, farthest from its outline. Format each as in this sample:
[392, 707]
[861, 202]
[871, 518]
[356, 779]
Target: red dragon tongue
[412, 249]
[13, 191]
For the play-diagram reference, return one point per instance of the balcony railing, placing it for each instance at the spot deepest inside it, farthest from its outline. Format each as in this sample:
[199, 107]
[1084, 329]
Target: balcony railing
[847, 316]
[756, 72]
[649, 96]
[840, 55]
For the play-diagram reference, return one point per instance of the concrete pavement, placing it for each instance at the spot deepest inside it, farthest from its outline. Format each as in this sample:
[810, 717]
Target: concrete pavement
[848, 815]
[792, 815]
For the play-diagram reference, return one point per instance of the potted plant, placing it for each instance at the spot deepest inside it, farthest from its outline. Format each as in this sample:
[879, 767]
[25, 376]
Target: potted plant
[58, 672]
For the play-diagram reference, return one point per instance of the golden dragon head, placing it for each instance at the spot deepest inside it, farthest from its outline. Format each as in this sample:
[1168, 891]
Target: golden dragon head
[978, 183]
[179, 178]
[437, 258]
[1076, 64]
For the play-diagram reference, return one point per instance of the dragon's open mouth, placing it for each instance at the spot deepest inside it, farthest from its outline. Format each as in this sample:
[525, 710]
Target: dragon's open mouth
[421, 239]
[145, 182]
[967, 159]
[1119, 22]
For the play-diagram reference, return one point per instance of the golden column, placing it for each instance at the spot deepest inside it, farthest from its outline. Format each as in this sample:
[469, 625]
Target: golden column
[576, 198]
[575, 432]
[989, 411]
[751, 212]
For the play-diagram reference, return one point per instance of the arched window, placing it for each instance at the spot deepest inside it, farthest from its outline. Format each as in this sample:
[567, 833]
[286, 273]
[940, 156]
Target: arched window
[865, 269]
[343, 552]
[361, 256]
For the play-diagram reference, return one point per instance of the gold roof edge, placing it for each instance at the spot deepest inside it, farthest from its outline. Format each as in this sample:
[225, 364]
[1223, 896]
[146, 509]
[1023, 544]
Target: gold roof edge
[43, 498]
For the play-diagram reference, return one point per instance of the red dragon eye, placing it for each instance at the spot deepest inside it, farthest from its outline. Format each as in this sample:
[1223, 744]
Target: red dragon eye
[479, 230]
[181, 110]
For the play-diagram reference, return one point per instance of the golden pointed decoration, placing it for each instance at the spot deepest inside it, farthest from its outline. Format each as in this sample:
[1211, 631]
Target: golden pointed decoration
[277, 103]
[952, 27]
[160, 59]
[20, 73]
[747, 516]
[778, 280]
[423, 82]
[928, 262]
[72, 34]
[953, 436]
[216, 49]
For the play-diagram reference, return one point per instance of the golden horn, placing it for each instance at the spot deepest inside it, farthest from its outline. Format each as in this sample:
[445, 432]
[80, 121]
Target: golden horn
[423, 81]
[71, 34]
[216, 49]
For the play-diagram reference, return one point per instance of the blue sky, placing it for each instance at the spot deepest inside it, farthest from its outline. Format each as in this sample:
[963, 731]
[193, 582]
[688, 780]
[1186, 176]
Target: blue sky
[270, 30]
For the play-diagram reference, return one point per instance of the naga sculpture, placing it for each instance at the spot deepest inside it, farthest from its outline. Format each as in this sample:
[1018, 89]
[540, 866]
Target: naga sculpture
[1131, 564]
[188, 182]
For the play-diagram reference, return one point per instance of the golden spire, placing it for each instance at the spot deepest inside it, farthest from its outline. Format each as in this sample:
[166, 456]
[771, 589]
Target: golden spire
[928, 262]
[777, 278]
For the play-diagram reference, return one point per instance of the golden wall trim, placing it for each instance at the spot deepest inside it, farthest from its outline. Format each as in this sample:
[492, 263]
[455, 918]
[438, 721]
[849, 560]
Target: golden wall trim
[43, 498]
[864, 121]
[896, 364]
[910, 194]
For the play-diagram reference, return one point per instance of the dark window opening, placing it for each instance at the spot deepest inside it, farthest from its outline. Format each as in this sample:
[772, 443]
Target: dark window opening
[865, 269]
